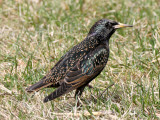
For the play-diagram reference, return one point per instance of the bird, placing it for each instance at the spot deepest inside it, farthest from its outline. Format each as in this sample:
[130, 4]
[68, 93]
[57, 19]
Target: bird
[81, 64]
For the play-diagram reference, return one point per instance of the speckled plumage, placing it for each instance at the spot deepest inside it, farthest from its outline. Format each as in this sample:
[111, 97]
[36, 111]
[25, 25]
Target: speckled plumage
[81, 64]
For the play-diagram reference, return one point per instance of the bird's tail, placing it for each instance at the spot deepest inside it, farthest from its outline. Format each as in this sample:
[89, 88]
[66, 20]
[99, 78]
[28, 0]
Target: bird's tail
[61, 90]
[37, 86]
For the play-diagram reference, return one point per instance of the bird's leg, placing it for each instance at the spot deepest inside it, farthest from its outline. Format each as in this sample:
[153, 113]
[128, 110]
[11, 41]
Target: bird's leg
[90, 86]
[78, 93]
[106, 89]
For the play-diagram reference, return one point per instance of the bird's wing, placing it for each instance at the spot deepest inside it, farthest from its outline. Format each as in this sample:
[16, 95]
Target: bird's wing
[65, 63]
[86, 69]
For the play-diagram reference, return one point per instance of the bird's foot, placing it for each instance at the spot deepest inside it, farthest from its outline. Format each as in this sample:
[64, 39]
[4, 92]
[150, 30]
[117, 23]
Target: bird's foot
[106, 89]
[78, 101]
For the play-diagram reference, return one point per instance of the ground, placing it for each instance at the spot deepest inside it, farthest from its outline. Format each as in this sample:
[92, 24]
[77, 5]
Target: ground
[34, 34]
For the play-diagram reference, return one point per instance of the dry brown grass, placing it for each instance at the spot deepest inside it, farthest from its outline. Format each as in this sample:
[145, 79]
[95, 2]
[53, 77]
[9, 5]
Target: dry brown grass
[34, 34]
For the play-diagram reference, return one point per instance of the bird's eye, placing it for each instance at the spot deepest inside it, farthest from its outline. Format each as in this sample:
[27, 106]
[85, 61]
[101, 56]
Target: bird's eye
[107, 24]
[114, 23]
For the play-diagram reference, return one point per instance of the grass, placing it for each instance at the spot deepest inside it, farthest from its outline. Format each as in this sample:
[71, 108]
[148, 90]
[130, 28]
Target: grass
[34, 34]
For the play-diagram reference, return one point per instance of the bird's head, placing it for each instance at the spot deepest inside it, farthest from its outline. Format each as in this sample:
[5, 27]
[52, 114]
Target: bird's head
[106, 28]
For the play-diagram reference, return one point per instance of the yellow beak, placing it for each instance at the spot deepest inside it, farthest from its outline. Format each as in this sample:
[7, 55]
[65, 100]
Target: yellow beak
[121, 25]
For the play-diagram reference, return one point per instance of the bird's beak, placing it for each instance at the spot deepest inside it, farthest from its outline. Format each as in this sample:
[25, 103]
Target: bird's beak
[120, 25]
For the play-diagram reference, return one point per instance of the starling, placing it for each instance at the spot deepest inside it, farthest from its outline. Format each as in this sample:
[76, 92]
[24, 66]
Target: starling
[81, 64]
